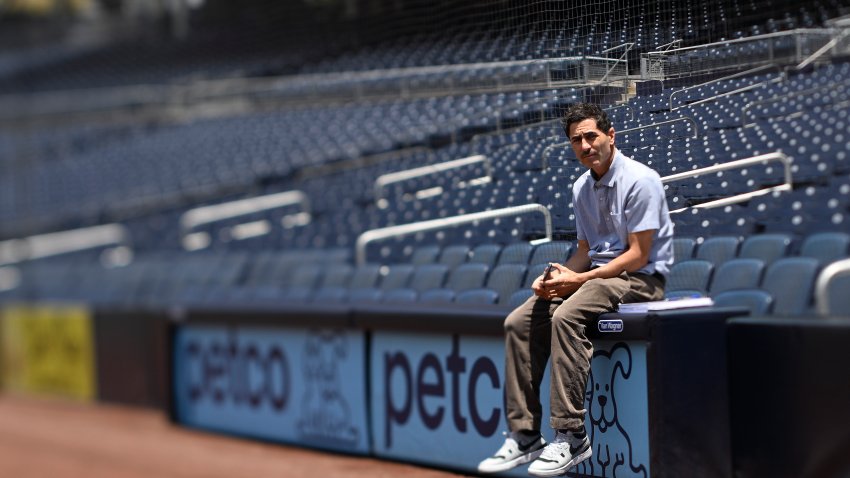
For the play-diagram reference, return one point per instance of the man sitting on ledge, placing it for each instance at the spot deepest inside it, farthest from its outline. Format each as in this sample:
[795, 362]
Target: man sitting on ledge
[624, 254]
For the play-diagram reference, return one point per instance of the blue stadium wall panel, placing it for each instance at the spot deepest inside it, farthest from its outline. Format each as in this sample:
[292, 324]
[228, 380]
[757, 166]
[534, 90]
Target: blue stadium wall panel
[305, 386]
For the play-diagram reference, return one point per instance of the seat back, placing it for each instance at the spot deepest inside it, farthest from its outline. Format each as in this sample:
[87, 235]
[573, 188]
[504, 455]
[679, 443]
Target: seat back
[454, 255]
[506, 279]
[683, 248]
[517, 253]
[425, 255]
[485, 254]
[718, 249]
[477, 296]
[766, 247]
[467, 276]
[757, 301]
[790, 281]
[554, 251]
[693, 275]
[737, 274]
[826, 246]
[428, 276]
[396, 276]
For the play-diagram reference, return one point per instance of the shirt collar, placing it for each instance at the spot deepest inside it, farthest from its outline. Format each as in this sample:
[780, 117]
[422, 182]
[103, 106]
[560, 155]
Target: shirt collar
[610, 176]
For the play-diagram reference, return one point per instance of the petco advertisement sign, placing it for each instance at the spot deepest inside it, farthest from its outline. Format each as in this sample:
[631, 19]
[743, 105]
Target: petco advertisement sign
[438, 399]
[291, 385]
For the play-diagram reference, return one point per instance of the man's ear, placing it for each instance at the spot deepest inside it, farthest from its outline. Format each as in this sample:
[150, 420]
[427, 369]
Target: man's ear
[611, 134]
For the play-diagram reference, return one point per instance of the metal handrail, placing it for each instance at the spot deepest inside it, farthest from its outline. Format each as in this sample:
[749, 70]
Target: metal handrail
[776, 156]
[829, 46]
[406, 229]
[56, 243]
[548, 151]
[218, 212]
[623, 58]
[830, 272]
[551, 147]
[730, 77]
[400, 176]
[765, 36]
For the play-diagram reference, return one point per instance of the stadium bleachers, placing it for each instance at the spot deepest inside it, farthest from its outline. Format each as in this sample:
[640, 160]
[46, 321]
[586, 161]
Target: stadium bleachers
[149, 174]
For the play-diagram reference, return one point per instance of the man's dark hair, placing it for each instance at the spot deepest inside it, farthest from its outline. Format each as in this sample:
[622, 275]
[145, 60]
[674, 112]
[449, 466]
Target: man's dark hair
[582, 111]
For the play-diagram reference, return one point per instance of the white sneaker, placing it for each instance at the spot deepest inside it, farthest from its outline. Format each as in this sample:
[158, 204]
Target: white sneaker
[514, 452]
[563, 453]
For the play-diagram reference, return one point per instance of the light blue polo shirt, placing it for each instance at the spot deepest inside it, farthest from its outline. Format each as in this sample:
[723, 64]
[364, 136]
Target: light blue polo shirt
[628, 198]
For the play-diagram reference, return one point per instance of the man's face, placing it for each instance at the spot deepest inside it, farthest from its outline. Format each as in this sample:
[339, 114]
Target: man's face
[593, 148]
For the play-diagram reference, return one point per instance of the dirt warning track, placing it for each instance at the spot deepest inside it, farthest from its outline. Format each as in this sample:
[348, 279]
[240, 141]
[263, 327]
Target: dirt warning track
[59, 439]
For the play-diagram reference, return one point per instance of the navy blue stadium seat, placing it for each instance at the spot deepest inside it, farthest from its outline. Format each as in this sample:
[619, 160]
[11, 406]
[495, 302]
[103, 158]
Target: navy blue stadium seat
[399, 296]
[396, 276]
[553, 251]
[791, 281]
[689, 277]
[477, 296]
[758, 302]
[766, 247]
[485, 254]
[454, 255]
[683, 248]
[826, 247]
[425, 255]
[467, 276]
[518, 253]
[505, 279]
[437, 296]
[718, 249]
[737, 274]
[519, 297]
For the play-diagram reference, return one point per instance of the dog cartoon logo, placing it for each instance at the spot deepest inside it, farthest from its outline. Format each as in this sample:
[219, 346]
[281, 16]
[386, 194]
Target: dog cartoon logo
[612, 446]
[325, 412]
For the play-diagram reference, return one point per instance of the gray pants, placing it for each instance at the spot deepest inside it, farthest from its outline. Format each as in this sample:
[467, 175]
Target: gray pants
[541, 328]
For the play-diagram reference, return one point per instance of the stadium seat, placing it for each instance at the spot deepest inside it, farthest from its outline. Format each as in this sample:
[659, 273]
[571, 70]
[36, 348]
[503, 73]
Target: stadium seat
[454, 255]
[790, 280]
[517, 253]
[486, 254]
[718, 249]
[396, 276]
[506, 279]
[519, 297]
[467, 276]
[737, 274]
[826, 247]
[428, 276]
[766, 247]
[425, 255]
[757, 301]
[683, 248]
[689, 277]
[437, 296]
[477, 296]
[399, 296]
[553, 251]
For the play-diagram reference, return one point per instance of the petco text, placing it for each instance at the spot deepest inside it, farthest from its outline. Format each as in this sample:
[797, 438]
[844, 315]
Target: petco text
[243, 373]
[426, 379]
